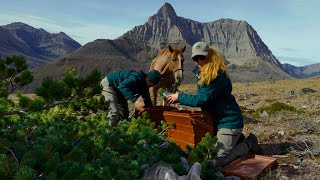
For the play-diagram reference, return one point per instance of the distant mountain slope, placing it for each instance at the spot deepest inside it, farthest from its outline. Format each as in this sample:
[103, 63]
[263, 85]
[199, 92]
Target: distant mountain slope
[37, 45]
[249, 58]
[303, 71]
[101, 54]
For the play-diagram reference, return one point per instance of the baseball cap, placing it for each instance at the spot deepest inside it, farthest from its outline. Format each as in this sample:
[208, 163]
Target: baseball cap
[154, 76]
[200, 48]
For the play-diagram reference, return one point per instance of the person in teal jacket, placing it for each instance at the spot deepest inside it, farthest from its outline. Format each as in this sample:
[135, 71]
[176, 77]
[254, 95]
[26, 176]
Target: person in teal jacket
[120, 86]
[214, 95]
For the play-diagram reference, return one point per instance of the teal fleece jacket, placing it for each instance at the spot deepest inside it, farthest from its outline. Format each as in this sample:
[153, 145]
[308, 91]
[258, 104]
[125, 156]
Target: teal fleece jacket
[217, 99]
[131, 84]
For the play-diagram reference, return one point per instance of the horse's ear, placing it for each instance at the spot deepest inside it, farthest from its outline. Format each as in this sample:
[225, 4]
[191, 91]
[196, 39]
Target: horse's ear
[170, 49]
[183, 49]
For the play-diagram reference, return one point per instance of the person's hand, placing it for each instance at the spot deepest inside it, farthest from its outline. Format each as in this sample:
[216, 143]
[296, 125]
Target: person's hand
[139, 104]
[173, 98]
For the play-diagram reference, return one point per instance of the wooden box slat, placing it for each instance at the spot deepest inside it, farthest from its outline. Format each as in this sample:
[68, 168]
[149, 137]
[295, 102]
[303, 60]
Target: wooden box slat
[182, 135]
[184, 128]
[190, 126]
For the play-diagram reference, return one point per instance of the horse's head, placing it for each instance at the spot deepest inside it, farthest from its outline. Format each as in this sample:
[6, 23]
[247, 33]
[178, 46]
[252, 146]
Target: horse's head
[175, 63]
[170, 63]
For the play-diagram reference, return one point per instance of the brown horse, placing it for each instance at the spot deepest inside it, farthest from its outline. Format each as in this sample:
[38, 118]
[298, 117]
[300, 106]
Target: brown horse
[169, 63]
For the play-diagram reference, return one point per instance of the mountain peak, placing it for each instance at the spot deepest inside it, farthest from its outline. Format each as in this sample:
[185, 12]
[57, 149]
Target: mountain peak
[166, 11]
[17, 25]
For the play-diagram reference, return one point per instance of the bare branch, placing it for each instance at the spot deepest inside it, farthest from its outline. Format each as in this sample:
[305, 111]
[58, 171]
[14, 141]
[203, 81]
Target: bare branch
[11, 84]
[59, 102]
[308, 149]
[14, 156]
[21, 111]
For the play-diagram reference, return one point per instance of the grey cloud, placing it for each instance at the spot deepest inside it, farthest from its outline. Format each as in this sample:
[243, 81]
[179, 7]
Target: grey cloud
[288, 49]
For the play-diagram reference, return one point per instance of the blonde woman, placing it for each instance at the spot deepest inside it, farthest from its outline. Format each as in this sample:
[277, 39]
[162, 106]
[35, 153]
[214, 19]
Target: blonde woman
[214, 95]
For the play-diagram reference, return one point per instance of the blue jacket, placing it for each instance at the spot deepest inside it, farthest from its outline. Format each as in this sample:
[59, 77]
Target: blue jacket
[131, 84]
[217, 99]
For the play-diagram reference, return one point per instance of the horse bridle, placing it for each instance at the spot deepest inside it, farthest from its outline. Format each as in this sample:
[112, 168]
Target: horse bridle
[167, 66]
[178, 69]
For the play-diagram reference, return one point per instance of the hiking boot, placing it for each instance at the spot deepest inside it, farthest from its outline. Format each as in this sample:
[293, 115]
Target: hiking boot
[223, 161]
[253, 145]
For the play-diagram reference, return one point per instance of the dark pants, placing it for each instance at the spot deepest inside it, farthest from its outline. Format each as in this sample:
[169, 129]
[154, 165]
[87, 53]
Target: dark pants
[227, 146]
[118, 104]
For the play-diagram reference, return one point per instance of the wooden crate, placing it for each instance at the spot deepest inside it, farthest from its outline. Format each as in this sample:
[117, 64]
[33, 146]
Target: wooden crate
[190, 126]
[156, 113]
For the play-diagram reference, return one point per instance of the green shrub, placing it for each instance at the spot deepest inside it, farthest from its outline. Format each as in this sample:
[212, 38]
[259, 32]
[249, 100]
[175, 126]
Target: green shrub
[61, 134]
[205, 150]
[275, 107]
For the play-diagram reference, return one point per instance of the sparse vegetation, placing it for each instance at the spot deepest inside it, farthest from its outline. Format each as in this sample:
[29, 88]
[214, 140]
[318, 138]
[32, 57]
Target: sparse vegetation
[275, 107]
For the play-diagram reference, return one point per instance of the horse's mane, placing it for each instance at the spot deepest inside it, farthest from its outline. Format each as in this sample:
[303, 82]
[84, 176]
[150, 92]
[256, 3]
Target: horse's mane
[161, 53]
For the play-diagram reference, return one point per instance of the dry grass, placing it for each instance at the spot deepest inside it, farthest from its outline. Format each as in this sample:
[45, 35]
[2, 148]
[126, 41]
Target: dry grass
[290, 136]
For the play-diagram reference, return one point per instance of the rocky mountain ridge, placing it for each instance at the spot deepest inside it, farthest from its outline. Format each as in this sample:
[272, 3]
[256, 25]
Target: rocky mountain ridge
[39, 46]
[236, 40]
[303, 71]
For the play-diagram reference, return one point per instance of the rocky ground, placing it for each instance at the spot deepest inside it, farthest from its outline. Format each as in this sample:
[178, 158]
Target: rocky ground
[290, 135]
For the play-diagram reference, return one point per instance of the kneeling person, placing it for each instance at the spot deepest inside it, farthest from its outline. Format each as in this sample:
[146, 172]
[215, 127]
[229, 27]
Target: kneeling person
[120, 86]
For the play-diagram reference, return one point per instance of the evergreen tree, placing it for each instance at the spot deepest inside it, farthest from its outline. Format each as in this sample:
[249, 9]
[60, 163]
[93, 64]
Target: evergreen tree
[13, 74]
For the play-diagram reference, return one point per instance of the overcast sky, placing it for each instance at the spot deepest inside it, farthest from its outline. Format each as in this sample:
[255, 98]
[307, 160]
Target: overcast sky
[290, 28]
